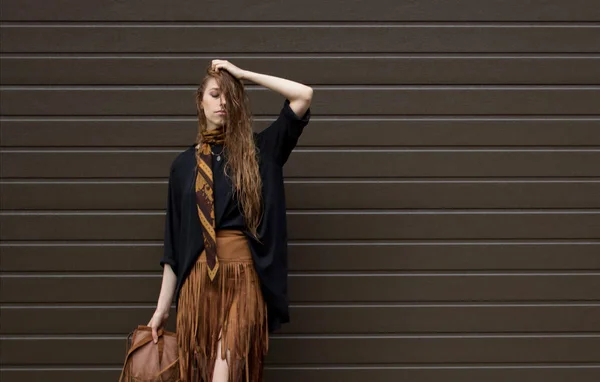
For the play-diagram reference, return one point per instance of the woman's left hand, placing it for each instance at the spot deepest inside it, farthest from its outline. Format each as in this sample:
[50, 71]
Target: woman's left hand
[224, 64]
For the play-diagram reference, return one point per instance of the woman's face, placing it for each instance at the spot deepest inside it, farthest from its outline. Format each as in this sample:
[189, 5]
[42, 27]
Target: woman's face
[213, 104]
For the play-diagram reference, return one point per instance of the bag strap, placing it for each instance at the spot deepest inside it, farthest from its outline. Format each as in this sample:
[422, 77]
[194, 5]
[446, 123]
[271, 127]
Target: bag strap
[168, 367]
[161, 347]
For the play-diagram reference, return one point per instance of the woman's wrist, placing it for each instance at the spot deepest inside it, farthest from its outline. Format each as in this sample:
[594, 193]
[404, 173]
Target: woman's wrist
[161, 312]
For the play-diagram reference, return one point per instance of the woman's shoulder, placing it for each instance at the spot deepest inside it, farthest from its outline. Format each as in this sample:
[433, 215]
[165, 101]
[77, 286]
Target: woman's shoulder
[184, 158]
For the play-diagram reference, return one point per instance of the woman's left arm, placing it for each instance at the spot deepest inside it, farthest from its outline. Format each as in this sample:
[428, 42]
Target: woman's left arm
[299, 95]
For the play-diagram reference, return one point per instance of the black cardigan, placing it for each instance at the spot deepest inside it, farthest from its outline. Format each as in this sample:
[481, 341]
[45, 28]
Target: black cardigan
[183, 241]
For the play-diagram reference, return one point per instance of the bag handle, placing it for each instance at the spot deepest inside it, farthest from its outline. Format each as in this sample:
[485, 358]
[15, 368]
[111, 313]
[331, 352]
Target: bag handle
[140, 344]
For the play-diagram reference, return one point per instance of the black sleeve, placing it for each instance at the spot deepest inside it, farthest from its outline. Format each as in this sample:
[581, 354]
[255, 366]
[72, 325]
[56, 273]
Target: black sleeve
[172, 222]
[279, 139]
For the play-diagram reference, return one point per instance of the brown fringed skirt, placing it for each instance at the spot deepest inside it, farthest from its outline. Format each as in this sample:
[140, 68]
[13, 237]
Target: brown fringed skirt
[230, 308]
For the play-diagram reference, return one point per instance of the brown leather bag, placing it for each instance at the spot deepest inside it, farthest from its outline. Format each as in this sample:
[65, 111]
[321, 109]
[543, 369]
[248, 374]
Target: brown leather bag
[149, 362]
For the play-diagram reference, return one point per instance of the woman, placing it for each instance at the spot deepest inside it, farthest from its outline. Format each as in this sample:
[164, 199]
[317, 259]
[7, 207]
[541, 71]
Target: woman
[225, 245]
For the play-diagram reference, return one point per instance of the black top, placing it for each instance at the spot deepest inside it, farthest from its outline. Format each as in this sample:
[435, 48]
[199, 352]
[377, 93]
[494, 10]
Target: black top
[183, 240]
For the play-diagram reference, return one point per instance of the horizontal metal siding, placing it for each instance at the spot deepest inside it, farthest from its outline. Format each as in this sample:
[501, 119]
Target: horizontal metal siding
[376, 318]
[456, 144]
[334, 194]
[318, 163]
[316, 38]
[363, 349]
[323, 288]
[384, 373]
[309, 10]
[322, 69]
[344, 131]
[340, 100]
[333, 256]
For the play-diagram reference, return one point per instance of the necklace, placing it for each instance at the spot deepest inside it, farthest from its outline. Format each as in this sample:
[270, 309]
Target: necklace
[218, 155]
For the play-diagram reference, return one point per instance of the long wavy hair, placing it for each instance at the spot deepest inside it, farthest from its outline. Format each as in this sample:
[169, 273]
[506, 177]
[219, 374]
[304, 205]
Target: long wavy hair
[241, 164]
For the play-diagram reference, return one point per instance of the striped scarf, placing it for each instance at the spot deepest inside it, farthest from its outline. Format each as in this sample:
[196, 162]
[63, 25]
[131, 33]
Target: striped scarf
[205, 197]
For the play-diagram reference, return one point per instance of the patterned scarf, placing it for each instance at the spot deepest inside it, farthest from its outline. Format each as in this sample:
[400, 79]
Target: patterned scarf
[205, 197]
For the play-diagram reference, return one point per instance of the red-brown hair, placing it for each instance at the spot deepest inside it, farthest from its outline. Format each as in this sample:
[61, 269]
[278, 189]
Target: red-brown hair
[242, 156]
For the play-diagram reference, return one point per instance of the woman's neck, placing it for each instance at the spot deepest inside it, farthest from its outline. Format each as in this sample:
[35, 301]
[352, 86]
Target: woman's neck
[211, 126]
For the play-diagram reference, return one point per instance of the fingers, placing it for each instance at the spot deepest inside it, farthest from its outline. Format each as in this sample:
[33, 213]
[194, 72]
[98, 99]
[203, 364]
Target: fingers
[218, 64]
[152, 324]
[154, 334]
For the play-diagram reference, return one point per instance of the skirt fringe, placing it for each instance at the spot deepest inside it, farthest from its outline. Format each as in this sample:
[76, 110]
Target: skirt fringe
[230, 308]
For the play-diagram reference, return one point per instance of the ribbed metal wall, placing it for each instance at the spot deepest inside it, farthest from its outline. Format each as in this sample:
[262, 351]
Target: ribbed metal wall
[444, 202]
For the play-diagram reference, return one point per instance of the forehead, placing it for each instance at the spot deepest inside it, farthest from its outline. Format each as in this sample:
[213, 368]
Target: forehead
[212, 84]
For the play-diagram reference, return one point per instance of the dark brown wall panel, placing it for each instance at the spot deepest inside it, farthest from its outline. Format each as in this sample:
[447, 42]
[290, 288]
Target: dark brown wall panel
[309, 288]
[318, 225]
[320, 256]
[443, 163]
[494, 373]
[321, 38]
[398, 69]
[322, 131]
[456, 144]
[441, 194]
[323, 319]
[445, 225]
[310, 10]
[372, 163]
[337, 350]
[365, 100]
[324, 194]
[421, 373]
[60, 374]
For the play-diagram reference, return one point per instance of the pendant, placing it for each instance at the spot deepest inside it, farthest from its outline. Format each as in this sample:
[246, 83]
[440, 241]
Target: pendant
[218, 158]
